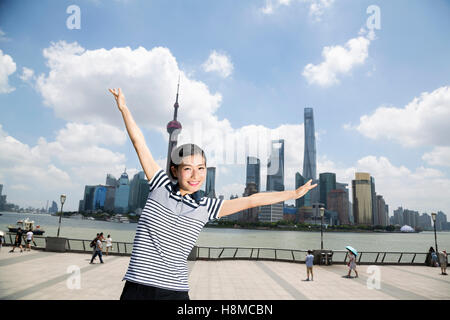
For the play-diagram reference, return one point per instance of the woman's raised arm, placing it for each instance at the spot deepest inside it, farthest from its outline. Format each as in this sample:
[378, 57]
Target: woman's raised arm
[262, 199]
[148, 164]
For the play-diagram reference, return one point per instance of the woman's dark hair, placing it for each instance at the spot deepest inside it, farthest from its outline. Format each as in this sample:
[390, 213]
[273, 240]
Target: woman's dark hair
[188, 149]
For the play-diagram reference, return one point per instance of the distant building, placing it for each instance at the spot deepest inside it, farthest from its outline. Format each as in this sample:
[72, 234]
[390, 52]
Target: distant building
[111, 180]
[138, 192]
[309, 154]
[53, 208]
[271, 213]
[290, 213]
[441, 221]
[327, 183]
[382, 215]
[425, 222]
[254, 172]
[337, 201]
[299, 181]
[122, 194]
[375, 218]
[362, 198]
[99, 198]
[275, 167]
[251, 214]
[88, 198]
[210, 182]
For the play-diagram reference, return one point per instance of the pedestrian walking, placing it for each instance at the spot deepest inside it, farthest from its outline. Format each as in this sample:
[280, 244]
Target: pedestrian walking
[98, 251]
[2, 239]
[309, 261]
[352, 265]
[93, 244]
[174, 215]
[443, 262]
[18, 240]
[30, 238]
[108, 244]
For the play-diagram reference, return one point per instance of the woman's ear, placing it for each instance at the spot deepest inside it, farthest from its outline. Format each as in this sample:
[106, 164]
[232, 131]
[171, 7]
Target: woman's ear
[174, 171]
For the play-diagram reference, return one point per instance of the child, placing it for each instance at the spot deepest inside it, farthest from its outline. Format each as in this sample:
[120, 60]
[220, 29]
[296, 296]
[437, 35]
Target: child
[309, 261]
[352, 265]
[174, 215]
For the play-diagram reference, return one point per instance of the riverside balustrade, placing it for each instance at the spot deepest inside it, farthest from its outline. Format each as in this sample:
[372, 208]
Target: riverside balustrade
[242, 253]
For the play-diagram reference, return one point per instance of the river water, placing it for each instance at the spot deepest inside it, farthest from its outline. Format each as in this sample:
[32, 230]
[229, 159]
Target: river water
[218, 237]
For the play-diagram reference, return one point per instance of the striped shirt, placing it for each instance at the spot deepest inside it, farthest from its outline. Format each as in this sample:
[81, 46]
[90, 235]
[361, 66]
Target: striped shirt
[167, 231]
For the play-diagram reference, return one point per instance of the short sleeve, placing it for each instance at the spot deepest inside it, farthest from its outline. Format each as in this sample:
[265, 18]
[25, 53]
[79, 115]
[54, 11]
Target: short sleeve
[158, 180]
[213, 206]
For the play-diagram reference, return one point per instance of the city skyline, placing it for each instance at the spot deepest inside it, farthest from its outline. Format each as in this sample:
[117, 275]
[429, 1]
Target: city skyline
[380, 104]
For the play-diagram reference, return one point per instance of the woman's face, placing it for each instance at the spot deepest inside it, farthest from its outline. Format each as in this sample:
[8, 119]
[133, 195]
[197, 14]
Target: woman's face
[191, 173]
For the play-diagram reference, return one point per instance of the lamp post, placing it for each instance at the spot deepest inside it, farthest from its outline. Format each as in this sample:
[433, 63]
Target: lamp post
[322, 211]
[433, 216]
[63, 199]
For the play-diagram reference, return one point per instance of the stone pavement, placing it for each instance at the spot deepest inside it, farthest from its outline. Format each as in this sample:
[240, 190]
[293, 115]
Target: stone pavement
[40, 275]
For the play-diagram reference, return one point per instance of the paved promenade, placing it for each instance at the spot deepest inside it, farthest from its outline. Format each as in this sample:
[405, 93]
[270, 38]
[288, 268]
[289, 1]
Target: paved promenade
[40, 275]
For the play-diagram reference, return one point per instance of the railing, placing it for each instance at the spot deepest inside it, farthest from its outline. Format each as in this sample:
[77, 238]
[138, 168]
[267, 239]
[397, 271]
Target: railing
[242, 253]
[298, 256]
[75, 245]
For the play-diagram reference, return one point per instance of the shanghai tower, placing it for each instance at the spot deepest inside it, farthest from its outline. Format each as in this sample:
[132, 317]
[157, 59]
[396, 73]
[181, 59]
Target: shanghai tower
[309, 160]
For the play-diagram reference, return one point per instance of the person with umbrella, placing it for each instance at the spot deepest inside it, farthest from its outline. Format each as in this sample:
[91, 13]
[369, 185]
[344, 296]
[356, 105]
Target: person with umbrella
[352, 262]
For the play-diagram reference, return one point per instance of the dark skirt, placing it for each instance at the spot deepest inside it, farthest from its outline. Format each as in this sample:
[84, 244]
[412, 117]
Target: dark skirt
[136, 291]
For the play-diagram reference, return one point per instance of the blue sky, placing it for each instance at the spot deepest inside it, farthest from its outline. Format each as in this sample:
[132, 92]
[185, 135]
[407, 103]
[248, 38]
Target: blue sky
[263, 83]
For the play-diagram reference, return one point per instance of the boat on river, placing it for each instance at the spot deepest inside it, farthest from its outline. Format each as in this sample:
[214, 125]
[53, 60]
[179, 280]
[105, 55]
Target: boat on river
[26, 225]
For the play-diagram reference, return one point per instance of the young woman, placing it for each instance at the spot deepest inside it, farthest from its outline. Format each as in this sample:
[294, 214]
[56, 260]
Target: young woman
[174, 215]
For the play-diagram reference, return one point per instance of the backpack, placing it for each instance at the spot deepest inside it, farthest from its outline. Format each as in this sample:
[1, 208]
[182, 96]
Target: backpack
[93, 243]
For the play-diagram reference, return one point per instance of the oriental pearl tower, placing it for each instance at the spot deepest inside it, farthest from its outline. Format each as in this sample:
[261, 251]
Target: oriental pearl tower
[173, 128]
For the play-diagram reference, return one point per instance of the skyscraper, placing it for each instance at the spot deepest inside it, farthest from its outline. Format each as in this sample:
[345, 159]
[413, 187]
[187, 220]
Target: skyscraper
[309, 155]
[122, 194]
[337, 201]
[210, 182]
[299, 181]
[362, 198]
[174, 129]
[327, 183]
[138, 191]
[254, 172]
[275, 167]
[375, 217]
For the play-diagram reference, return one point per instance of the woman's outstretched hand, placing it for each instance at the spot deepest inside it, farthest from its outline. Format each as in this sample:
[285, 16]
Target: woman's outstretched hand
[300, 192]
[120, 98]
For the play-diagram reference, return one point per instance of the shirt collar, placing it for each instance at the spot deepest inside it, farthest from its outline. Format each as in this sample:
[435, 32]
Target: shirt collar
[190, 196]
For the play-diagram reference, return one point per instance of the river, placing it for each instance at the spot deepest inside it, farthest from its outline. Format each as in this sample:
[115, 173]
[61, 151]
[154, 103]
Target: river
[219, 237]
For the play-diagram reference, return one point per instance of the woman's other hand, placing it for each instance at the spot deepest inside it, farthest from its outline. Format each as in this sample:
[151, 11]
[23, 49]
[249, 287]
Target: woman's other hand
[120, 98]
[301, 191]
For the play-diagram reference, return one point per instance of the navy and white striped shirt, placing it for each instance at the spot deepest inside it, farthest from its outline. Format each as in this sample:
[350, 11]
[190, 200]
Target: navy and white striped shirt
[167, 231]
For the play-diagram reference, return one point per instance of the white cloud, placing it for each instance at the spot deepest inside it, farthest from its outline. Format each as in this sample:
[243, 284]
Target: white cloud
[338, 60]
[423, 189]
[422, 122]
[7, 67]
[64, 165]
[220, 63]
[3, 36]
[439, 156]
[316, 7]
[27, 74]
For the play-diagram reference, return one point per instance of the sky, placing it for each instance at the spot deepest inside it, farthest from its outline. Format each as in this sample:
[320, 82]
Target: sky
[376, 74]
